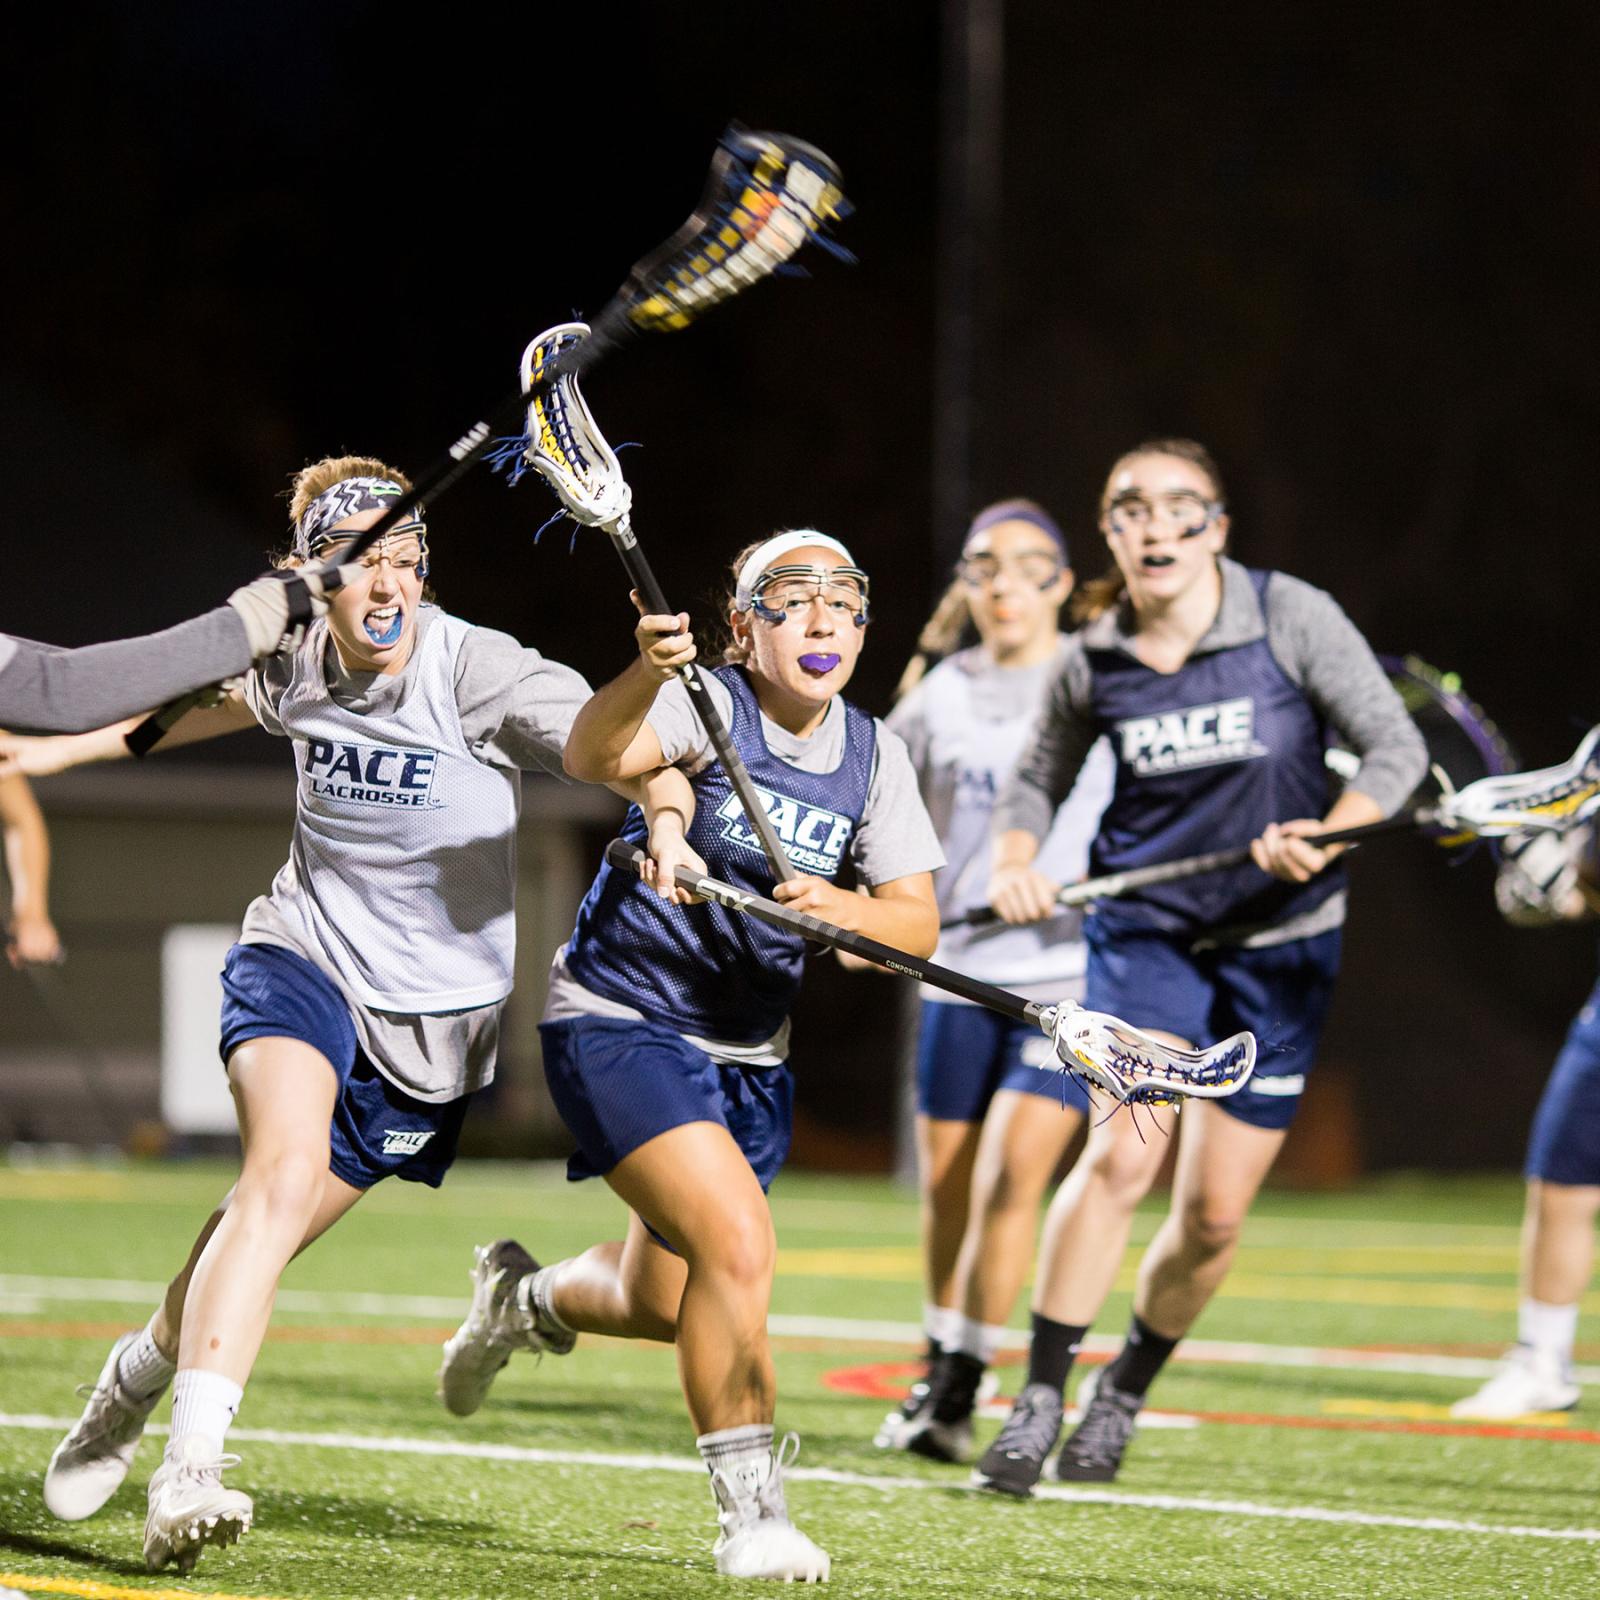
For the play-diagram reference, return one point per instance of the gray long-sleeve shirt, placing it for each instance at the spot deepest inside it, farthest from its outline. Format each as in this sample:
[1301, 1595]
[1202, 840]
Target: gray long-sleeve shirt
[1317, 648]
[47, 689]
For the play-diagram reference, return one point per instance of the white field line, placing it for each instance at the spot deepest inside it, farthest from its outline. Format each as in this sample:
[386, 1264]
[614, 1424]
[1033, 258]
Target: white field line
[855, 1480]
[33, 1292]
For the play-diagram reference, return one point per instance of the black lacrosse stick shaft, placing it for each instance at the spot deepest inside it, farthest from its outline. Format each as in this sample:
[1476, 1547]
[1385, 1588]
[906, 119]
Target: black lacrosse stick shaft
[1119, 883]
[649, 590]
[626, 858]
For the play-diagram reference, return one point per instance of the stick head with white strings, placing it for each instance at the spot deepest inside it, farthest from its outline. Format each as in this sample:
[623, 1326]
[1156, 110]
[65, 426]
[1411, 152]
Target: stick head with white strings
[1136, 1069]
[1545, 800]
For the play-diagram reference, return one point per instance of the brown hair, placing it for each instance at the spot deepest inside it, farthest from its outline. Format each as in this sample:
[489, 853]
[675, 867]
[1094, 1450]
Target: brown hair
[732, 652]
[1106, 592]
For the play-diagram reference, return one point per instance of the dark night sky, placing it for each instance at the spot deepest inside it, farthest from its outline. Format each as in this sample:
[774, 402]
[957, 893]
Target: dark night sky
[1355, 253]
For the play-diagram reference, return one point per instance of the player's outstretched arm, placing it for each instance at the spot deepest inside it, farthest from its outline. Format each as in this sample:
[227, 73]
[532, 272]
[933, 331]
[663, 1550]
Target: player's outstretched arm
[39, 756]
[45, 689]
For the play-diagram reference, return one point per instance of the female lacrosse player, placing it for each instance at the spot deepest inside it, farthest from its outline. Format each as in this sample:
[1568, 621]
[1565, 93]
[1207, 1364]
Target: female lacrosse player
[1216, 685]
[991, 1127]
[362, 1002]
[666, 1032]
[46, 689]
[1548, 879]
[31, 936]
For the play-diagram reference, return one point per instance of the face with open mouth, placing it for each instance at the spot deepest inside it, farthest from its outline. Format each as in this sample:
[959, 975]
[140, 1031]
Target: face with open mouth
[373, 620]
[800, 663]
[1162, 519]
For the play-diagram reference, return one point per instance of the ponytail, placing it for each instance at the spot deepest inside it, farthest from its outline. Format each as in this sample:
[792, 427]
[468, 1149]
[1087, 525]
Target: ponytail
[941, 633]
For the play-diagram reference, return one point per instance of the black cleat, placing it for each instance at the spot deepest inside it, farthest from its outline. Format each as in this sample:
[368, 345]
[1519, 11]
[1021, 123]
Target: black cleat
[1013, 1463]
[1107, 1418]
[942, 1430]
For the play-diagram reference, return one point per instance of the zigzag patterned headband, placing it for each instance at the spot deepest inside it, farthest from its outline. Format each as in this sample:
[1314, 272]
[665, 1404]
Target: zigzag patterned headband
[346, 498]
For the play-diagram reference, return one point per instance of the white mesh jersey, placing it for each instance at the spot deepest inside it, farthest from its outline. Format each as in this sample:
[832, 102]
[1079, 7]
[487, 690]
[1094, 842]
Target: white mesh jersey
[402, 870]
[965, 725]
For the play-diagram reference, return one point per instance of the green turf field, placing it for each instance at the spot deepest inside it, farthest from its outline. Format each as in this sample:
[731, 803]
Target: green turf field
[1283, 1468]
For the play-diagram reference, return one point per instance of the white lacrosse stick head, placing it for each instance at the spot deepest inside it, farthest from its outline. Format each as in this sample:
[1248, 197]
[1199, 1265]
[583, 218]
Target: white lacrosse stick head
[1136, 1069]
[566, 447]
[1546, 800]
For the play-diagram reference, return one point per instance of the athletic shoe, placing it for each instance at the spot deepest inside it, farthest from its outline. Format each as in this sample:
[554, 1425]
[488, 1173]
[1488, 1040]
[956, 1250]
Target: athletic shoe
[1012, 1464]
[758, 1540]
[1107, 1417]
[499, 1322]
[189, 1508]
[892, 1430]
[91, 1462]
[1526, 1381]
[942, 1431]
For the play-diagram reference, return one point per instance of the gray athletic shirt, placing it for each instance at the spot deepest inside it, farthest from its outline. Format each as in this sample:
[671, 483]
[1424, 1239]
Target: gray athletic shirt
[516, 710]
[47, 689]
[894, 838]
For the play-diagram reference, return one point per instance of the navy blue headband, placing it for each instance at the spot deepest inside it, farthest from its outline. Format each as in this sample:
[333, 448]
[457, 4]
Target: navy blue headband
[1020, 511]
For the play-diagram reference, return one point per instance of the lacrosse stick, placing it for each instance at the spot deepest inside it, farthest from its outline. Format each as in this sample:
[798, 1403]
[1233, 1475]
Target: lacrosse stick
[767, 195]
[565, 446]
[1130, 1066]
[1464, 747]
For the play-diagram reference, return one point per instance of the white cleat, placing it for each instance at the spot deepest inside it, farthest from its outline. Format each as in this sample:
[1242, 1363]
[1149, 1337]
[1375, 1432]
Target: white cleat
[758, 1540]
[190, 1508]
[90, 1463]
[1527, 1382]
[498, 1323]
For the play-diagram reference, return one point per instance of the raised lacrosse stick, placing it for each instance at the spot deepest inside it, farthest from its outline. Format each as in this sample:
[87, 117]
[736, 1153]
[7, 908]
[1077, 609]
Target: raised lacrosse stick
[565, 446]
[1130, 1066]
[767, 194]
[1464, 745]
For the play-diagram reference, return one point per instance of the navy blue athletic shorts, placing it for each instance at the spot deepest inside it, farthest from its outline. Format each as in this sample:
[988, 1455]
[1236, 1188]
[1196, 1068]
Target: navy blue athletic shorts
[1564, 1143]
[1280, 992]
[378, 1131]
[620, 1081]
[966, 1053]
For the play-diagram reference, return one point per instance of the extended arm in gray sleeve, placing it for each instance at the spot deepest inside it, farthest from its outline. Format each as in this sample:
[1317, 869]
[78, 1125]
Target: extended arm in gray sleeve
[1324, 653]
[45, 689]
[1056, 751]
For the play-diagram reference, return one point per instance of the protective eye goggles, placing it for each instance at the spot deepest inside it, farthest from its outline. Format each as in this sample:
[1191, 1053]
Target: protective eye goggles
[393, 547]
[1038, 568]
[790, 590]
[1190, 514]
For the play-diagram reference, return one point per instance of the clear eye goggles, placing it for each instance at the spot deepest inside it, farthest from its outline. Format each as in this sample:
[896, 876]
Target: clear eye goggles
[790, 590]
[404, 547]
[1182, 510]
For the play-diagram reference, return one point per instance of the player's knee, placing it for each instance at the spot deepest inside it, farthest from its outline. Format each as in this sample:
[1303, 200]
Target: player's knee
[742, 1249]
[286, 1184]
[1006, 1191]
[1121, 1172]
[1210, 1229]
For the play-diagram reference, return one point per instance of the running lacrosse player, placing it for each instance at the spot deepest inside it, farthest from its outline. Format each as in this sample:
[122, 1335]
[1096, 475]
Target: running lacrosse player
[1547, 880]
[667, 1032]
[991, 1126]
[1216, 685]
[47, 689]
[362, 1002]
[31, 937]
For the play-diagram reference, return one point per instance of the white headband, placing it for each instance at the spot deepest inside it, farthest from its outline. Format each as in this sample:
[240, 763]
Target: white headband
[780, 544]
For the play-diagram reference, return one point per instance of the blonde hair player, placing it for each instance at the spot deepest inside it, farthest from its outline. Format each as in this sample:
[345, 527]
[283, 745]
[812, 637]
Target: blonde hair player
[1216, 685]
[666, 1035]
[991, 1127]
[362, 1002]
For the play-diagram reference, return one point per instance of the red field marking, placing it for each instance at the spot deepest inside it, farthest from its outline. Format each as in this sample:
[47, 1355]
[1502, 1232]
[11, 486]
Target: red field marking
[886, 1380]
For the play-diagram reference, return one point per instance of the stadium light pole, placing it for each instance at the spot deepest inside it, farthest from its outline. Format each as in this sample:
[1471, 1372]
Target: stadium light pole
[971, 98]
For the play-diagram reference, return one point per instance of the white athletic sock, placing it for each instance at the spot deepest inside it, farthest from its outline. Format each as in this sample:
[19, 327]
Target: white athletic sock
[203, 1403]
[538, 1292]
[1548, 1328]
[980, 1340]
[729, 1448]
[942, 1324]
[142, 1369]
